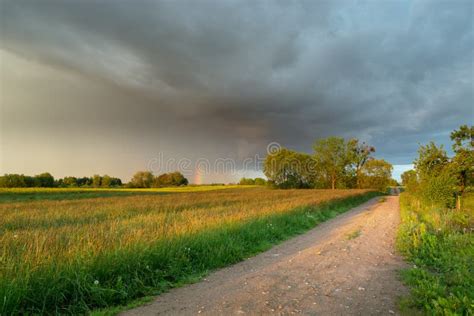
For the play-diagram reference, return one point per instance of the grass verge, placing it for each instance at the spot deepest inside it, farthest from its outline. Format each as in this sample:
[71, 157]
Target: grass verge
[440, 245]
[116, 278]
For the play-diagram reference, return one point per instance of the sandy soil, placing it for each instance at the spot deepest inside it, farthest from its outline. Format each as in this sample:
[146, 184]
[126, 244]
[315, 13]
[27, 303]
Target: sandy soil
[346, 266]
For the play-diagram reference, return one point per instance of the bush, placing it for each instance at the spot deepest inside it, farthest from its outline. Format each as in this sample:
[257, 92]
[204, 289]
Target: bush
[439, 190]
[440, 244]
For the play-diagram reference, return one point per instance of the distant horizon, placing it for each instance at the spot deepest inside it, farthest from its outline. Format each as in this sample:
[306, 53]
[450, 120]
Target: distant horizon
[396, 174]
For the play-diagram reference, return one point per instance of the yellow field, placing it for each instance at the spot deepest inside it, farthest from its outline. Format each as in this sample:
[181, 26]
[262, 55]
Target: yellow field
[188, 188]
[49, 239]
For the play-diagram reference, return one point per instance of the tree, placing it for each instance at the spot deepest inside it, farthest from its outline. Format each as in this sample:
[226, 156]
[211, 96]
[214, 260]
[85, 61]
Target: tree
[84, 181]
[162, 180]
[359, 155]
[410, 180]
[333, 157]
[45, 180]
[105, 181]
[12, 181]
[142, 179]
[260, 181]
[438, 189]
[170, 179]
[462, 164]
[115, 182]
[393, 183]
[376, 174]
[247, 181]
[69, 181]
[288, 169]
[96, 180]
[435, 179]
[431, 161]
[178, 179]
[463, 138]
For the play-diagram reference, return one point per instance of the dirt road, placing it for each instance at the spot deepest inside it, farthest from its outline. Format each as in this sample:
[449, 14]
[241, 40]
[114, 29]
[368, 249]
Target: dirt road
[346, 266]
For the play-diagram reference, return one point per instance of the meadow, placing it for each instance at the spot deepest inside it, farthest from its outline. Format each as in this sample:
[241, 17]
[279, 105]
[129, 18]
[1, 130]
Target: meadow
[63, 254]
[31, 194]
[439, 242]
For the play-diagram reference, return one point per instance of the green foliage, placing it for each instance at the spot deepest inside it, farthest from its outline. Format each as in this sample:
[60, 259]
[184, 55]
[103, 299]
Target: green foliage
[439, 180]
[440, 245]
[106, 181]
[376, 174]
[69, 181]
[96, 181]
[336, 163]
[410, 180]
[169, 179]
[289, 169]
[250, 181]
[141, 179]
[393, 183]
[438, 190]
[12, 181]
[333, 155]
[431, 161]
[436, 238]
[463, 138]
[359, 155]
[260, 181]
[462, 165]
[247, 181]
[46, 180]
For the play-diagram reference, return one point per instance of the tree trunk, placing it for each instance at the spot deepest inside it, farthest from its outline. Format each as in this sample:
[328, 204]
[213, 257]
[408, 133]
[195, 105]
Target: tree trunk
[333, 182]
[358, 178]
[459, 196]
[458, 201]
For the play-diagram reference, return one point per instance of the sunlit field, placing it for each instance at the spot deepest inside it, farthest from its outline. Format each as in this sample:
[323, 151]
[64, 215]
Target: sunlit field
[29, 194]
[69, 255]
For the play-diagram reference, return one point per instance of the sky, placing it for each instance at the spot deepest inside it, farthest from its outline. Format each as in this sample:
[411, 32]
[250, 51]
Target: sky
[113, 87]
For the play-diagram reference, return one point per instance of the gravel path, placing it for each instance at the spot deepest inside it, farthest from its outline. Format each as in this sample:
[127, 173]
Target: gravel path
[345, 266]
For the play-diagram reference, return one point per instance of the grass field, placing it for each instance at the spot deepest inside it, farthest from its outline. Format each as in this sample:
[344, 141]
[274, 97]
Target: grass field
[440, 245]
[69, 255]
[32, 194]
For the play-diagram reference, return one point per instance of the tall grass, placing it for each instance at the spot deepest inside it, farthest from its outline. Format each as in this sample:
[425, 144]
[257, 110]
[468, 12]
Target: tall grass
[32, 194]
[73, 256]
[440, 244]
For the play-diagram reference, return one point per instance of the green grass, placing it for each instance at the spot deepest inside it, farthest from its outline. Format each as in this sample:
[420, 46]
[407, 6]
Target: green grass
[124, 260]
[440, 245]
[38, 194]
[468, 201]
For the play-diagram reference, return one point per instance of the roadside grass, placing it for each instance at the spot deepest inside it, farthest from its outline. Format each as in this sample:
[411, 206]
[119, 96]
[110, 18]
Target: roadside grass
[77, 256]
[37, 194]
[440, 245]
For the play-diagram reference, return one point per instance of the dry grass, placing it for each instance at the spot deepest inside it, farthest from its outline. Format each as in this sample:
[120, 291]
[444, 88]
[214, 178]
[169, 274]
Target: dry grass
[38, 235]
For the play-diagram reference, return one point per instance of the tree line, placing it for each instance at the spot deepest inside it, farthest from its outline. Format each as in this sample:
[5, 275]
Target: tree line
[146, 179]
[141, 179]
[250, 181]
[46, 180]
[334, 163]
[440, 180]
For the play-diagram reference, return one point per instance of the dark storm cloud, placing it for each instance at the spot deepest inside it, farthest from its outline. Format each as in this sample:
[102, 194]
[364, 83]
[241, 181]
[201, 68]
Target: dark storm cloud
[393, 73]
